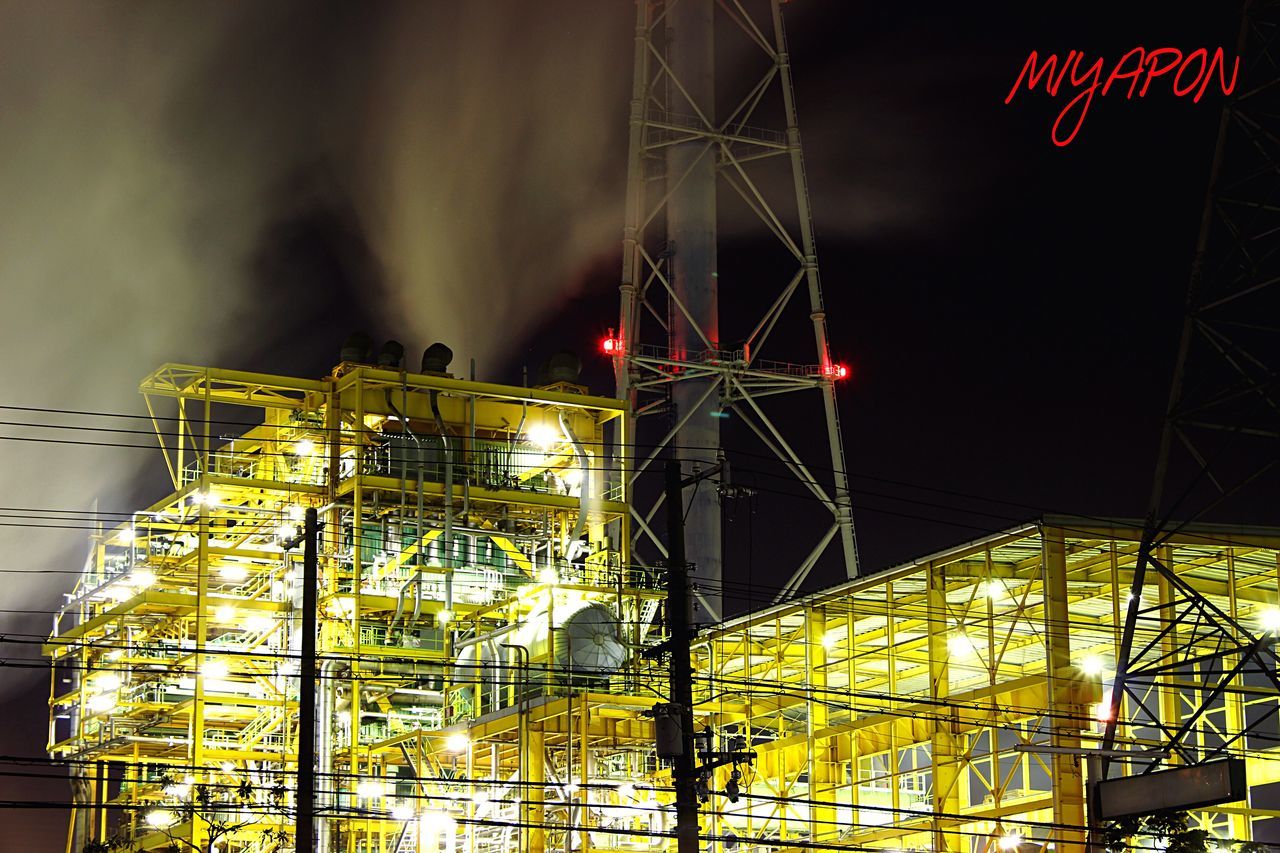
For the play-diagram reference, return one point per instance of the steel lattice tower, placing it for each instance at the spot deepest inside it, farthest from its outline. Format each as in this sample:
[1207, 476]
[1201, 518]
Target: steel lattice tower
[1219, 449]
[671, 355]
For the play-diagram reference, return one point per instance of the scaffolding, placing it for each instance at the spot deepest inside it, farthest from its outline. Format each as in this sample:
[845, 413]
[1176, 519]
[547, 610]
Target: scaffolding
[484, 683]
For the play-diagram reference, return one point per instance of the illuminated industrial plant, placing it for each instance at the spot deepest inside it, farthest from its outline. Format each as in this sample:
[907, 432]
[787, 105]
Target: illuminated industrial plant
[483, 682]
[492, 620]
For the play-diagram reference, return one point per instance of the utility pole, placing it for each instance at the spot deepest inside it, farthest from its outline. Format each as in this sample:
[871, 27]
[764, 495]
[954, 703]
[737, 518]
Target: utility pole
[304, 830]
[674, 722]
[680, 639]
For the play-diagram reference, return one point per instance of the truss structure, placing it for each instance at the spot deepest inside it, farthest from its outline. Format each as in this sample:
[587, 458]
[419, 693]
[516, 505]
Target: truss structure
[1219, 451]
[670, 355]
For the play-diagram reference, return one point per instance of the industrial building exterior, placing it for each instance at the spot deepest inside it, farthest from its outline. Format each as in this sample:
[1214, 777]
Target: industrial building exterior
[484, 681]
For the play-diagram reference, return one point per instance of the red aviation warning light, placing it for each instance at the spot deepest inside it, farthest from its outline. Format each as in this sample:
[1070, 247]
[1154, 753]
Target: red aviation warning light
[611, 345]
[837, 371]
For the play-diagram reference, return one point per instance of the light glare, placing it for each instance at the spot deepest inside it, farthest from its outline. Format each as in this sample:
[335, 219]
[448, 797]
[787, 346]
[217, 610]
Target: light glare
[1092, 666]
[1102, 710]
[215, 668]
[233, 572]
[1010, 841]
[543, 436]
[102, 702]
[370, 788]
[141, 579]
[959, 645]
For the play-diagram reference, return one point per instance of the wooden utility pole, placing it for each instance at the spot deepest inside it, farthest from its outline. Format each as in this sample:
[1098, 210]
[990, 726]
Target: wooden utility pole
[679, 606]
[690, 766]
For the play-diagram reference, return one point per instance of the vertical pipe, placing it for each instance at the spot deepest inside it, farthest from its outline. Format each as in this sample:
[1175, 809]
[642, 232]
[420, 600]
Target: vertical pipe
[448, 501]
[632, 229]
[100, 789]
[469, 449]
[327, 690]
[404, 462]
[196, 749]
[570, 793]
[691, 236]
[357, 586]
[305, 827]
[632, 239]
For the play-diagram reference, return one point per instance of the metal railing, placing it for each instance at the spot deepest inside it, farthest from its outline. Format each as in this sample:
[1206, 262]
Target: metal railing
[665, 119]
[725, 358]
[311, 471]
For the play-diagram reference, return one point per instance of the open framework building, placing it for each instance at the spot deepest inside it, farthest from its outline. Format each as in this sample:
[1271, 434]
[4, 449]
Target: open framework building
[483, 682]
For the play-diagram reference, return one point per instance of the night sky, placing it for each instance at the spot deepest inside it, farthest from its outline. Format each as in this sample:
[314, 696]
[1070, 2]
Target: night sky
[1009, 307]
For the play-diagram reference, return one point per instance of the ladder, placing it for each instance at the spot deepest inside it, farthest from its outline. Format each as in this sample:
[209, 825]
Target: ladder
[408, 840]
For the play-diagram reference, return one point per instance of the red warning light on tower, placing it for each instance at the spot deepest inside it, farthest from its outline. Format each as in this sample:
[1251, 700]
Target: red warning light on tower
[837, 371]
[611, 345]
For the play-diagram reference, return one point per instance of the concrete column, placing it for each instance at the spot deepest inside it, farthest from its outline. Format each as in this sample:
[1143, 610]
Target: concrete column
[691, 232]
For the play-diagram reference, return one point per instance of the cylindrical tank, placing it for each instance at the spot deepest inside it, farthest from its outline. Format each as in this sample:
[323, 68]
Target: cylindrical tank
[585, 640]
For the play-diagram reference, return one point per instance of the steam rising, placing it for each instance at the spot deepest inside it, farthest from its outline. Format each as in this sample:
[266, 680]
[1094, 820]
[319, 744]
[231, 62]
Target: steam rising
[149, 152]
[494, 174]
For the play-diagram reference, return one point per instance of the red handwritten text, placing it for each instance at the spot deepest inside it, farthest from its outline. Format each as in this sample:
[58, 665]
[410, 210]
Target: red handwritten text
[1189, 74]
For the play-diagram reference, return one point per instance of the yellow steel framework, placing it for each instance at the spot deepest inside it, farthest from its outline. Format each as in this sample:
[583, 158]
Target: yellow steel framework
[482, 682]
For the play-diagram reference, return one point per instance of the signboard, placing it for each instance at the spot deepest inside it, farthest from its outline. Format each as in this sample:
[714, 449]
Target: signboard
[1180, 788]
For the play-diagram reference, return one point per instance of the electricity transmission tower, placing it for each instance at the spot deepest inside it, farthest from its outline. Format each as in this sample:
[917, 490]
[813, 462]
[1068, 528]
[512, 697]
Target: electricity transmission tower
[1220, 448]
[671, 354]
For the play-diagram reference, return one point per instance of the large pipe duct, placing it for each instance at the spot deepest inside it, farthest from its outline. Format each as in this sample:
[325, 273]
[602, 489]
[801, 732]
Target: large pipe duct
[324, 754]
[584, 489]
[419, 533]
[448, 499]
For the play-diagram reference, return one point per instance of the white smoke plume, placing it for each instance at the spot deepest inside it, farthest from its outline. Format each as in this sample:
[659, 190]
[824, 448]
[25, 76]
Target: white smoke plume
[149, 150]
